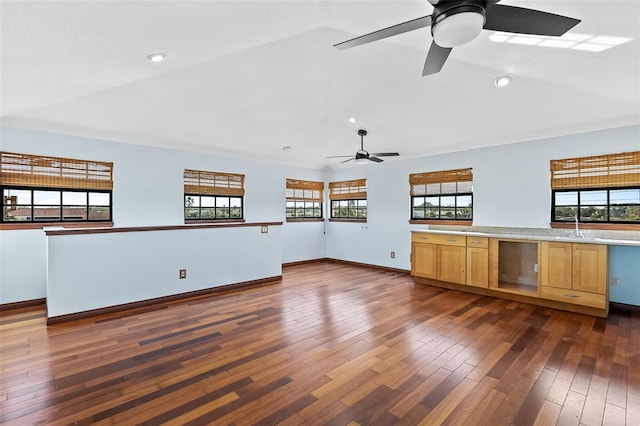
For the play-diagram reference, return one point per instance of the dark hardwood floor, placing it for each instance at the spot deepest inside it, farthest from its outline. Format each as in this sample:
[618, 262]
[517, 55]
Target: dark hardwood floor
[331, 344]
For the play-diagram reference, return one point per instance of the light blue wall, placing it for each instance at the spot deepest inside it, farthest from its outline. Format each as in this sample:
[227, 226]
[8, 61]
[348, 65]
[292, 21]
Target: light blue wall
[511, 188]
[624, 264]
[148, 191]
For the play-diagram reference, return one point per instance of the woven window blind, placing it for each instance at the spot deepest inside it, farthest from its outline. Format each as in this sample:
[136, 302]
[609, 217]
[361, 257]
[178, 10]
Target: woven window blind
[201, 182]
[348, 190]
[304, 190]
[598, 171]
[442, 182]
[54, 172]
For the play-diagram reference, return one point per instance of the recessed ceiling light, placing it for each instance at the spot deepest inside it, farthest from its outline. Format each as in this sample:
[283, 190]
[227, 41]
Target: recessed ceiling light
[502, 81]
[157, 57]
[352, 119]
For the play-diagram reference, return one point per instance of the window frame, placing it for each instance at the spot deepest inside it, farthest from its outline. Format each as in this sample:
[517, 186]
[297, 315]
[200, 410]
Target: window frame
[61, 206]
[303, 192]
[607, 206]
[419, 189]
[349, 191]
[214, 208]
[202, 183]
[358, 209]
[456, 208]
[31, 172]
[607, 172]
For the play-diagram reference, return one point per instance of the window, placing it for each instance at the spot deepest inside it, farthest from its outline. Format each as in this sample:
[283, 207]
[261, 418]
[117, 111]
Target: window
[304, 200]
[442, 196]
[213, 196]
[41, 189]
[596, 189]
[349, 200]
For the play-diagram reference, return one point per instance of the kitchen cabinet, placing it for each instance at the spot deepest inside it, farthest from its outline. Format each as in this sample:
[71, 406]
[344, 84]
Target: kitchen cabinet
[554, 272]
[424, 259]
[574, 273]
[478, 261]
[439, 257]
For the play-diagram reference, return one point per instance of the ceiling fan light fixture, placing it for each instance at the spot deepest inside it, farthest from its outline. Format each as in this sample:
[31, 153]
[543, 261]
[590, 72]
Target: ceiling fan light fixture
[458, 26]
[361, 160]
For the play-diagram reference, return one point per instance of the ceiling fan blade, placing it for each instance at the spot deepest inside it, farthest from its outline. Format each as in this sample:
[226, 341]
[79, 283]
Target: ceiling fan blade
[346, 161]
[385, 154]
[436, 58]
[339, 156]
[519, 20]
[375, 159]
[415, 24]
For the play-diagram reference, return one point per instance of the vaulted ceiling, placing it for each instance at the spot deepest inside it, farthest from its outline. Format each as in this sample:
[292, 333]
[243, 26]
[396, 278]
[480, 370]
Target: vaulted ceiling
[247, 78]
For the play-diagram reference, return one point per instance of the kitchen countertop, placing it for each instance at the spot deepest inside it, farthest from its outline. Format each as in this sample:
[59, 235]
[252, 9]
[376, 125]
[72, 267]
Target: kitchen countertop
[542, 235]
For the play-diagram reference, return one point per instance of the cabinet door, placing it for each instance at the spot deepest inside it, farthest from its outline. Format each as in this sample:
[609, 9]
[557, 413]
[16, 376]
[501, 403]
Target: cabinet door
[424, 262]
[452, 264]
[478, 267]
[556, 268]
[590, 268]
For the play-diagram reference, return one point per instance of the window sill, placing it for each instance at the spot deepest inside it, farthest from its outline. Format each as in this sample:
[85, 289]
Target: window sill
[597, 226]
[305, 219]
[348, 220]
[39, 225]
[441, 222]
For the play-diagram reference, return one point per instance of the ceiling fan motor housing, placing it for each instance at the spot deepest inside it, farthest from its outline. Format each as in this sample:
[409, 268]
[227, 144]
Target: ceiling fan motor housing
[457, 23]
[362, 154]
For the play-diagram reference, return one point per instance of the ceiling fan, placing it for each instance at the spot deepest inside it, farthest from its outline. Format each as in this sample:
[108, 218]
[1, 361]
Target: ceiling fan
[457, 22]
[362, 155]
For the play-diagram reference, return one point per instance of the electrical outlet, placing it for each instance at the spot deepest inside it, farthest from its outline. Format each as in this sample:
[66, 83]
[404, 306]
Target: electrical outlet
[264, 229]
[393, 254]
[615, 281]
[183, 274]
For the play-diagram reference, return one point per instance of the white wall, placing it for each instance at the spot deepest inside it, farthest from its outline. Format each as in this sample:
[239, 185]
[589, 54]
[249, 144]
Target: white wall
[148, 191]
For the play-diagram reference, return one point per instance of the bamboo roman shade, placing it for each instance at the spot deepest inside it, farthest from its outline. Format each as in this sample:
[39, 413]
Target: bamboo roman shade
[54, 172]
[199, 182]
[304, 190]
[442, 182]
[348, 190]
[598, 171]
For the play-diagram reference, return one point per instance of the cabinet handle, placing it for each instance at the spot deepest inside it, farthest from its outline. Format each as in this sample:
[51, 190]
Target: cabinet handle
[451, 240]
[476, 242]
[575, 296]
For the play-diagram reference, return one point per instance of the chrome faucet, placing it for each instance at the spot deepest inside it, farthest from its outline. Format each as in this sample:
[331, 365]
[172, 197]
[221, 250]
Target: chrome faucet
[578, 233]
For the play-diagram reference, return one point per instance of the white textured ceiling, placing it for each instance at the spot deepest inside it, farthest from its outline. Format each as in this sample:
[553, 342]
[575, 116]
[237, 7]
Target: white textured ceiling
[245, 78]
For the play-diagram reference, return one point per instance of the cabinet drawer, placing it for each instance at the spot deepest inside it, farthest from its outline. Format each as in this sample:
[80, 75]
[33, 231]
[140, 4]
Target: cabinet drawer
[576, 297]
[444, 240]
[480, 242]
[423, 238]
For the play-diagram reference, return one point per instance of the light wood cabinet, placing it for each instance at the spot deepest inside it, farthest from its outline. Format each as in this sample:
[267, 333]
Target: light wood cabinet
[556, 266]
[451, 264]
[424, 260]
[439, 257]
[590, 268]
[557, 274]
[478, 262]
[574, 273]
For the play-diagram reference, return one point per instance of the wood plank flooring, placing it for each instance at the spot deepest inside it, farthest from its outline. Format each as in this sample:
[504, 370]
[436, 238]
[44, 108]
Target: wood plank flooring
[331, 344]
